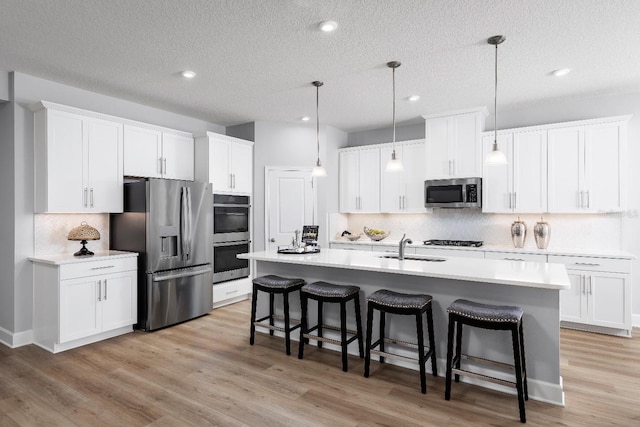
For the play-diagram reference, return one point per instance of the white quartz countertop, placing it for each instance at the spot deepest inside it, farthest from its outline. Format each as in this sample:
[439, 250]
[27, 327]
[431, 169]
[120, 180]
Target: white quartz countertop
[514, 273]
[496, 248]
[59, 259]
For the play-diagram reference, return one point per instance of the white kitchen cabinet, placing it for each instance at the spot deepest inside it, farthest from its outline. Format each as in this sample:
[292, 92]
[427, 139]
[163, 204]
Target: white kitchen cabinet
[78, 161]
[77, 302]
[232, 291]
[511, 256]
[448, 252]
[360, 180]
[600, 295]
[226, 162]
[520, 186]
[403, 191]
[156, 153]
[586, 167]
[453, 144]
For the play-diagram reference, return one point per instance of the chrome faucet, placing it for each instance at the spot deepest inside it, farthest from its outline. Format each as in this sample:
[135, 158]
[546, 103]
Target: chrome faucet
[401, 246]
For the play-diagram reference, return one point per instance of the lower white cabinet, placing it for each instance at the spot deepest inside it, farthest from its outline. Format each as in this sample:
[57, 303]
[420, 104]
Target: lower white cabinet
[77, 303]
[231, 291]
[467, 253]
[510, 256]
[600, 295]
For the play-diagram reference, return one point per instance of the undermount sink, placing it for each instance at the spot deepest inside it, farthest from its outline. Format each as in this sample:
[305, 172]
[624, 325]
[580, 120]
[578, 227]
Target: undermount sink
[414, 258]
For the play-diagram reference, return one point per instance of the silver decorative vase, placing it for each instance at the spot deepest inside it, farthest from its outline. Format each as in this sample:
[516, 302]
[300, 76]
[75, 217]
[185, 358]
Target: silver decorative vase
[518, 233]
[542, 233]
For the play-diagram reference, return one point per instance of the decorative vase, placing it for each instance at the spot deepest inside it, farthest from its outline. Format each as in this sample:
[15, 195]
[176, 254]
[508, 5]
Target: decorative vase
[518, 233]
[542, 233]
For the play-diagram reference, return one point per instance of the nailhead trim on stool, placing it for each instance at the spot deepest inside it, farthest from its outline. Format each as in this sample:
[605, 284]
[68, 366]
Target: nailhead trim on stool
[387, 301]
[486, 316]
[328, 292]
[272, 285]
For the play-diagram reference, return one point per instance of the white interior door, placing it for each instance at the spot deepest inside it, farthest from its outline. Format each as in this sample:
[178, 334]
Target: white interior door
[290, 204]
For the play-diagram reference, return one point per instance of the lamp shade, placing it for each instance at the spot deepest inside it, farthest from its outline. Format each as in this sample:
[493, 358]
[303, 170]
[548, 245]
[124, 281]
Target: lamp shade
[84, 232]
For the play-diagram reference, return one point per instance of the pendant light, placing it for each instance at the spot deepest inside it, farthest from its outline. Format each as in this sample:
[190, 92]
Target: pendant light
[496, 157]
[394, 164]
[318, 170]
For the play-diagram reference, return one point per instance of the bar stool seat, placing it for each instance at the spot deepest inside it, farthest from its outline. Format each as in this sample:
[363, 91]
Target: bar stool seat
[486, 316]
[323, 292]
[273, 285]
[386, 301]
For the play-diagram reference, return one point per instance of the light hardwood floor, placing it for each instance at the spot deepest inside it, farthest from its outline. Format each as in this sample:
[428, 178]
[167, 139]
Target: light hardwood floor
[204, 372]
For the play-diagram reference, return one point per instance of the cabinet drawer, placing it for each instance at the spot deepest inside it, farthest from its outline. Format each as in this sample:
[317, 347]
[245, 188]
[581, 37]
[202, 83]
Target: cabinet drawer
[93, 268]
[593, 264]
[351, 246]
[464, 253]
[512, 256]
[231, 289]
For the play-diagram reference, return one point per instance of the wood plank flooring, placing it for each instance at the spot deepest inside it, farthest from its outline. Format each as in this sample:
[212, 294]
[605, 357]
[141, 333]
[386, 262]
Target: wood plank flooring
[204, 372]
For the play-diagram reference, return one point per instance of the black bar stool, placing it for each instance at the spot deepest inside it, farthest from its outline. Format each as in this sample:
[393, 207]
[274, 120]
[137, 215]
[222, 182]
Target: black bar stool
[272, 285]
[405, 304]
[485, 316]
[327, 292]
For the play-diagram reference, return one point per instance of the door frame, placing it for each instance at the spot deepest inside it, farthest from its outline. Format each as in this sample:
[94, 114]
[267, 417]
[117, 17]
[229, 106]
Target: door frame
[270, 169]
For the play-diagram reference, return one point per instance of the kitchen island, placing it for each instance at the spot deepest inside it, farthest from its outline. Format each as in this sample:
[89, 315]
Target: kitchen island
[533, 286]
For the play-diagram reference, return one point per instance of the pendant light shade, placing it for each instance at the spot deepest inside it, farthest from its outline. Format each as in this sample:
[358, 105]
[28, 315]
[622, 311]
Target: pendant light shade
[318, 170]
[394, 164]
[495, 157]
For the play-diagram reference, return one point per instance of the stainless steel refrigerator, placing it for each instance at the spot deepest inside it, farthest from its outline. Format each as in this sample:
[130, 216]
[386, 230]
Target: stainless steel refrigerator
[170, 224]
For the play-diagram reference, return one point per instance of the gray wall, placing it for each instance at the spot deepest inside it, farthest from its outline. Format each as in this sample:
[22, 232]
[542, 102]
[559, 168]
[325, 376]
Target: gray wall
[4, 86]
[16, 290]
[380, 136]
[244, 131]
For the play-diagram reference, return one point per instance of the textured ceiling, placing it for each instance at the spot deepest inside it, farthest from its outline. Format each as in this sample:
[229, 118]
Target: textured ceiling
[256, 60]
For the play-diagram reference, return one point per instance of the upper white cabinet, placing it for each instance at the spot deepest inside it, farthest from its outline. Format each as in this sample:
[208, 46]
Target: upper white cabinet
[360, 179]
[156, 153]
[226, 162]
[586, 167]
[520, 186]
[78, 160]
[403, 191]
[453, 144]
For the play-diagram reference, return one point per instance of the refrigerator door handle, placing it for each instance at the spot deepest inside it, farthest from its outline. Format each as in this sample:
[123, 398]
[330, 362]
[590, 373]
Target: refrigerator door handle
[185, 223]
[183, 272]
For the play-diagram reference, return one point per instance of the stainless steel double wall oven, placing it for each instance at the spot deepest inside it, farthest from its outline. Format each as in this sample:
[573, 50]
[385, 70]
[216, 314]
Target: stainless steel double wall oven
[231, 220]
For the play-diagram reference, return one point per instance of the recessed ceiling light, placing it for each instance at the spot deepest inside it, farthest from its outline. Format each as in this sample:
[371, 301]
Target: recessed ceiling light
[328, 26]
[188, 74]
[305, 118]
[561, 72]
[413, 98]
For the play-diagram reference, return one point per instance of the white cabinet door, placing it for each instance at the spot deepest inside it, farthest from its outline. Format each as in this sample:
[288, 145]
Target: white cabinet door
[566, 169]
[242, 168]
[573, 301]
[119, 300]
[529, 157]
[219, 167]
[515, 256]
[178, 156]
[444, 252]
[414, 176]
[79, 309]
[349, 177]
[608, 293]
[604, 151]
[392, 184]
[497, 181]
[437, 137]
[105, 165]
[369, 180]
[142, 151]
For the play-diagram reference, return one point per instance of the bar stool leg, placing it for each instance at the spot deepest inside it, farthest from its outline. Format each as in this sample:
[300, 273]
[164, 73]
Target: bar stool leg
[252, 330]
[524, 361]
[287, 330]
[304, 324]
[515, 337]
[320, 320]
[421, 361]
[343, 334]
[367, 357]
[272, 298]
[432, 341]
[359, 325]
[458, 348]
[450, 338]
[382, 327]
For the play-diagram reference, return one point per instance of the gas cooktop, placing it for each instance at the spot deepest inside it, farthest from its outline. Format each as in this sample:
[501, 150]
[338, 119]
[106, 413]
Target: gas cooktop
[472, 243]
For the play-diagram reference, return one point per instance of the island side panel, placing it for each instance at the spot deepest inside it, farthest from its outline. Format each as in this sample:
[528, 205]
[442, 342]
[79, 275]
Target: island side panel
[541, 319]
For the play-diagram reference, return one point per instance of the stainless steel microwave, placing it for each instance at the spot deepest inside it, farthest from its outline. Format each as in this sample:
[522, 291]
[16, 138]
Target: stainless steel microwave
[453, 193]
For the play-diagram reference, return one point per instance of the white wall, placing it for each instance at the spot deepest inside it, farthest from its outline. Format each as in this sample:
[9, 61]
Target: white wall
[16, 290]
[283, 144]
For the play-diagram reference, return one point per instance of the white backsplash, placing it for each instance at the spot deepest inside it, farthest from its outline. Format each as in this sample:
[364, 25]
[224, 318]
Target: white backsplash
[51, 231]
[586, 231]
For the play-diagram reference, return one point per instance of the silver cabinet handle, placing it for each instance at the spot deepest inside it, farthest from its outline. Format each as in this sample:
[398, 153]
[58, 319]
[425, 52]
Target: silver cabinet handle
[515, 200]
[160, 165]
[164, 164]
[272, 240]
[582, 287]
[400, 202]
[513, 259]
[105, 289]
[450, 173]
[590, 285]
[404, 202]
[590, 264]
[84, 200]
[510, 200]
[588, 199]
[99, 290]
[230, 180]
[231, 292]
[102, 268]
[453, 167]
[91, 196]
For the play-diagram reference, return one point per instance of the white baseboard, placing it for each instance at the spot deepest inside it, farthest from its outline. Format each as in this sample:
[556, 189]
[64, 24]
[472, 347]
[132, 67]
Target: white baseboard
[18, 339]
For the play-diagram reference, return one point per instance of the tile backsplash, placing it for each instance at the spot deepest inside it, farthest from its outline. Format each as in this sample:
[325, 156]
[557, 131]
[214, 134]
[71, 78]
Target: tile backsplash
[587, 231]
[51, 231]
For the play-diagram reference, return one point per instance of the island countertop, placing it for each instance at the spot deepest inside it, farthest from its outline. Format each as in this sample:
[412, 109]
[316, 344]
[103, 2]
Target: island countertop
[513, 273]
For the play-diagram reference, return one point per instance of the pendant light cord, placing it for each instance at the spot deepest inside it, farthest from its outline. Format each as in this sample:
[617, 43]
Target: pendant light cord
[495, 104]
[394, 110]
[318, 121]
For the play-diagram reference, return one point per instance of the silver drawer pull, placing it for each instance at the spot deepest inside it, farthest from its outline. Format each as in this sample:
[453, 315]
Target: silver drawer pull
[232, 292]
[590, 264]
[102, 268]
[513, 259]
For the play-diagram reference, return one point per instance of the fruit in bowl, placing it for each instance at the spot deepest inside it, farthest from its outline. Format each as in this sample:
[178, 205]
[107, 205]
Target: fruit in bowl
[353, 237]
[375, 234]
